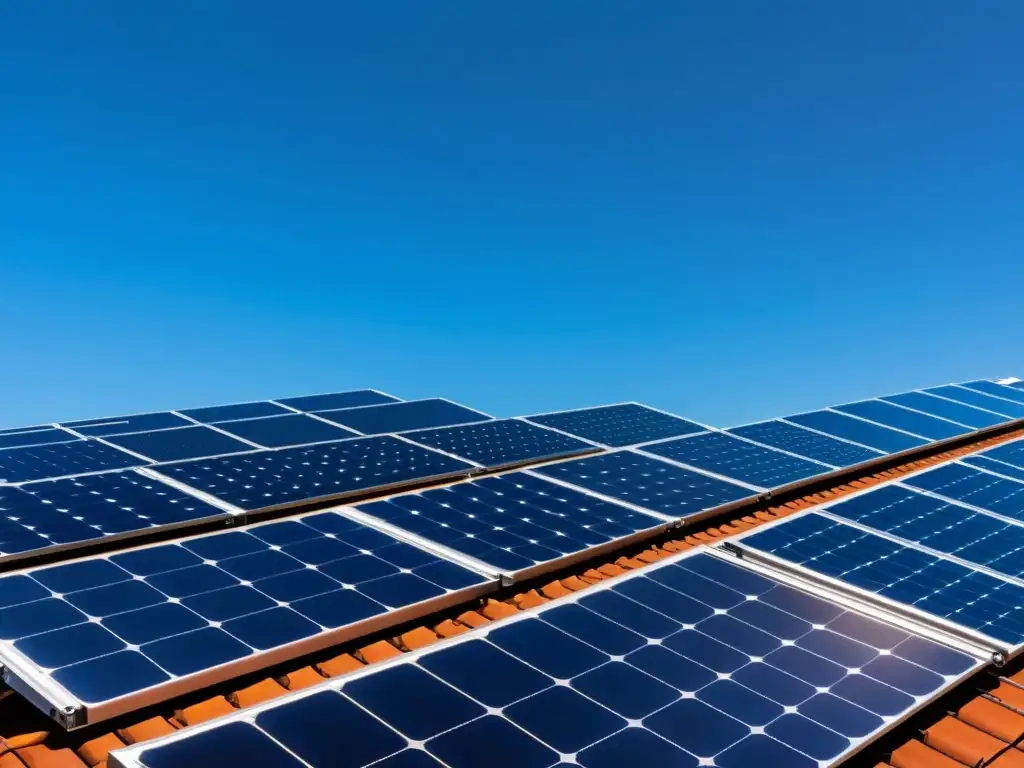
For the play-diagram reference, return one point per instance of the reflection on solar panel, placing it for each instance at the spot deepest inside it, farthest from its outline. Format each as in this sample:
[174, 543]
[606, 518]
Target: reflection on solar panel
[737, 459]
[402, 417]
[274, 479]
[943, 526]
[215, 413]
[890, 415]
[176, 444]
[997, 390]
[1010, 453]
[803, 442]
[970, 397]
[698, 660]
[333, 400]
[511, 522]
[906, 575]
[647, 482]
[972, 486]
[60, 459]
[35, 437]
[501, 442]
[863, 432]
[116, 425]
[43, 515]
[936, 406]
[210, 605]
[618, 425]
[284, 431]
[993, 465]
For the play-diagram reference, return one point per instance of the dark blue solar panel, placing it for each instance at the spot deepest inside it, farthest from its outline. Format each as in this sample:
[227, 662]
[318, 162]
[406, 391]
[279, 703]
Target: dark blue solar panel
[994, 465]
[964, 414]
[192, 605]
[34, 428]
[901, 573]
[890, 415]
[184, 443]
[213, 414]
[290, 475]
[39, 462]
[738, 459]
[619, 425]
[334, 400]
[789, 437]
[402, 417]
[863, 432]
[500, 442]
[979, 400]
[283, 431]
[511, 522]
[35, 437]
[610, 679]
[997, 390]
[1011, 453]
[647, 482]
[940, 525]
[972, 486]
[116, 425]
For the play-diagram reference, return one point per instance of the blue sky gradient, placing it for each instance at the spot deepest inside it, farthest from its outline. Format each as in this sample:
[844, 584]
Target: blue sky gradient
[730, 210]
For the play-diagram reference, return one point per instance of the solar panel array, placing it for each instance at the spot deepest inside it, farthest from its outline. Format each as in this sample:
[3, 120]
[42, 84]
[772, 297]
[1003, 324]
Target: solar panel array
[697, 660]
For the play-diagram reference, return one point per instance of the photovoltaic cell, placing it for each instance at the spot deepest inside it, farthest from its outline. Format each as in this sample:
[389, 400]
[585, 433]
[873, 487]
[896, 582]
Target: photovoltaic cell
[696, 660]
[647, 482]
[738, 459]
[334, 400]
[215, 413]
[511, 522]
[39, 462]
[268, 479]
[284, 431]
[116, 425]
[402, 417]
[970, 397]
[904, 574]
[993, 465]
[943, 526]
[863, 432]
[175, 444]
[890, 415]
[1010, 453]
[37, 516]
[972, 486]
[196, 605]
[811, 445]
[501, 442]
[618, 425]
[35, 437]
[965, 414]
[998, 390]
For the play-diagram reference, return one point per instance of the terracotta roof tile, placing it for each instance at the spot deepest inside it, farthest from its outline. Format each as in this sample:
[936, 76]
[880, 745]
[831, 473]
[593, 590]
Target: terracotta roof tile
[378, 652]
[418, 638]
[146, 730]
[41, 756]
[94, 751]
[203, 711]
[993, 718]
[964, 743]
[302, 678]
[914, 754]
[256, 693]
[339, 665]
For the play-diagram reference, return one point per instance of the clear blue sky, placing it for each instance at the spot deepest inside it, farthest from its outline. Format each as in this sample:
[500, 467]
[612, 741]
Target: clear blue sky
[731, 210]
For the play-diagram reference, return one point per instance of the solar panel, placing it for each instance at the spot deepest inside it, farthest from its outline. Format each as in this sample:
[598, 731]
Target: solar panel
[804, 442]
[647, 482]
[618, 425]
[116, 425]
[35, 437]
[970, 397]
[997, 390]
[857, 430]
[514, 522]
[1009, 453]
[972, 486]
[501, 442]
[402, 417]
[183, 443]
[737, 459]
[903, 574]
[39, 462]
[947, 409]
[332, 400]
[285, 431]
[274, 479]
[111, 633]
[215, 413]
[18, 430]
[994, 465]
[694, 662]
[889, 415]
[57, 514]
[941, 525]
